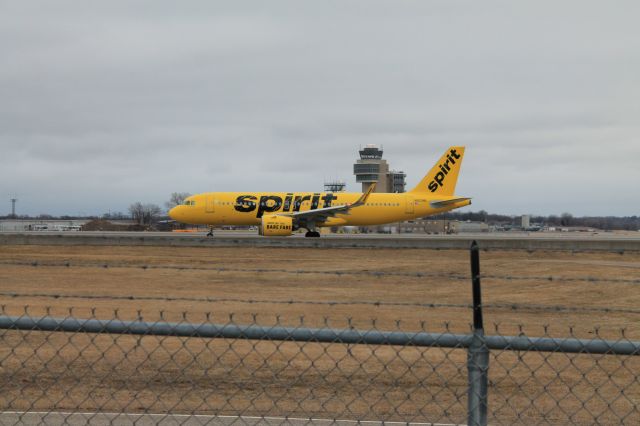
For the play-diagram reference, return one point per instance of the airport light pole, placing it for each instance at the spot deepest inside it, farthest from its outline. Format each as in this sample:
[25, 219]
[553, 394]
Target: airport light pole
[13, 207]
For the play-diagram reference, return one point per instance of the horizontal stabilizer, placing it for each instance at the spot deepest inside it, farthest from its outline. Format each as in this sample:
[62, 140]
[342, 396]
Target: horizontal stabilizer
[436, 204]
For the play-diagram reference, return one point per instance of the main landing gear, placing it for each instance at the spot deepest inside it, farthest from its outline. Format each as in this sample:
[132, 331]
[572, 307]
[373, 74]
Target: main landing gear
[311, 229]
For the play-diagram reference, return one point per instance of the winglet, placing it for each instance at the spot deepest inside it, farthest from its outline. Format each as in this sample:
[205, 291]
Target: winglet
[363, 198]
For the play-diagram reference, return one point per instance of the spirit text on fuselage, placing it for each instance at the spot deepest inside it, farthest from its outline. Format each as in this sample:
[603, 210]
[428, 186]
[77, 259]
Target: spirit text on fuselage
[273, 203]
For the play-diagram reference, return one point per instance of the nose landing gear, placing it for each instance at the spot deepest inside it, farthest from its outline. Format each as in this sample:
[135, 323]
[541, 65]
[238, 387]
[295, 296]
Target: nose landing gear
[210, 233]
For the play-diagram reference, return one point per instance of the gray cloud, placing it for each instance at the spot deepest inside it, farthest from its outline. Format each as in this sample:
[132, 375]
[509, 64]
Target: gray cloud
[109, 103]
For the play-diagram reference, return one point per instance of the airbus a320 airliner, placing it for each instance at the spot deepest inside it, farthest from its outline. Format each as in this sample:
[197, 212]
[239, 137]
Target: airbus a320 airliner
[280, 214]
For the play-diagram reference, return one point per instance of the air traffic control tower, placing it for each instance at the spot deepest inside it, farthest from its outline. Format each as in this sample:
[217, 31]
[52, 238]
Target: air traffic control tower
[372, 168]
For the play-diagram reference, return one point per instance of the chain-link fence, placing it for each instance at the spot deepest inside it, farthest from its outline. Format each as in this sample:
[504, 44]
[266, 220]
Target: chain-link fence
[210, 372]
[92, 368]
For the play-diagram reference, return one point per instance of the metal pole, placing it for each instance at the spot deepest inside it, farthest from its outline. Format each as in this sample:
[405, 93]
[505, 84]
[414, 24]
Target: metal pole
[319, 335]
[233, 331]
[475, 282]
[478, 355]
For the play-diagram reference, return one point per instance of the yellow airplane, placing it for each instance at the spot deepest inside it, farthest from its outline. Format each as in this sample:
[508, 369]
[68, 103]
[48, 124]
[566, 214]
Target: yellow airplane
[280, 214]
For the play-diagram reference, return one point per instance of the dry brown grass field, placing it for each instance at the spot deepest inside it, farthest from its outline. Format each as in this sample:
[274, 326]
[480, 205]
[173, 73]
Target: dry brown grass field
[159, 374]
[516, 277]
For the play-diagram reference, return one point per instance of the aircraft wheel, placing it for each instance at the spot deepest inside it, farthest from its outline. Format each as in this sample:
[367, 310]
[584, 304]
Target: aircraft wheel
[312, 234]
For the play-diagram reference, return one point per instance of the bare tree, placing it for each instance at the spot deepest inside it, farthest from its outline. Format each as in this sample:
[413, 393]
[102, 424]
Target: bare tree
[176, 198]
[566, 219]
[144, 214]
[136, 210]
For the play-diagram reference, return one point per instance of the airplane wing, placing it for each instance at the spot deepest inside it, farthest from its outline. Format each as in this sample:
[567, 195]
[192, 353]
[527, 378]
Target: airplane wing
[436, 204]
[321, 215]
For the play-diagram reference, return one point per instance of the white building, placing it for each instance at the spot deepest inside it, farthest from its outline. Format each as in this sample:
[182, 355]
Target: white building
[457, 227]
[22, 225]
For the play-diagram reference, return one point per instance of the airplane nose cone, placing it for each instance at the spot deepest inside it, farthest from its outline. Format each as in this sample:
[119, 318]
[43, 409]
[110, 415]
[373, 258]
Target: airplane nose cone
[173, 213]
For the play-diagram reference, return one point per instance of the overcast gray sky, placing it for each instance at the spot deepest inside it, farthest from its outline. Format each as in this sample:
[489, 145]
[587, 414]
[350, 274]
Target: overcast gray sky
[107, 103]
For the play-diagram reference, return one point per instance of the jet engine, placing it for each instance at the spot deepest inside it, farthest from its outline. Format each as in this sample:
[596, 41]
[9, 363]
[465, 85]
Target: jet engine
[274, 225]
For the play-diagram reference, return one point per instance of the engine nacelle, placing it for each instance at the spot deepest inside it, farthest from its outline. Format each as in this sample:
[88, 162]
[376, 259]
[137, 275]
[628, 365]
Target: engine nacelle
[274, 225]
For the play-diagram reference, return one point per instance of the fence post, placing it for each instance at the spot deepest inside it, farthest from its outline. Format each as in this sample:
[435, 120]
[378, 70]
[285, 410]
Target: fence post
[478, 355]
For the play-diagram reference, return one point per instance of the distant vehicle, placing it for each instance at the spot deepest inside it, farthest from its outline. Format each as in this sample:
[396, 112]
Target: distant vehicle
[280, 214]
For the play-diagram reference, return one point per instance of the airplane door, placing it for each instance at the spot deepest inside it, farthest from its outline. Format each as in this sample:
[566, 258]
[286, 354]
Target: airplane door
[409, 204]
[210, 205]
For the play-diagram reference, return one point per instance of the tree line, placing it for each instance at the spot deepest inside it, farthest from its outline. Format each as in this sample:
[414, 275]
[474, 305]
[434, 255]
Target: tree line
[630, 223]
[143, 214]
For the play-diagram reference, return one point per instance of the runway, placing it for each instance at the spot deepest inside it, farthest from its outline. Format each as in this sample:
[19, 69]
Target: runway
[577, 241]
[604, 241]
[620, 235]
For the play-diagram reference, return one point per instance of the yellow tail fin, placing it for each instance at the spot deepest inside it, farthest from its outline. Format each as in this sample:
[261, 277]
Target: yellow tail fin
[442, 178]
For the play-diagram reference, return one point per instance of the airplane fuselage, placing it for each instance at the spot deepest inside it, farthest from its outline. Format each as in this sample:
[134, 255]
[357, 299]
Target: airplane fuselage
[248, 208]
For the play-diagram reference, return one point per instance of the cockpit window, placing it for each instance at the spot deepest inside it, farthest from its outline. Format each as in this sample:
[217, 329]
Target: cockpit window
[189, 203]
